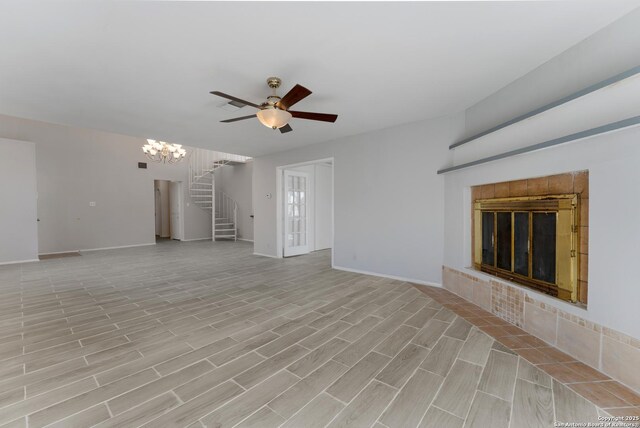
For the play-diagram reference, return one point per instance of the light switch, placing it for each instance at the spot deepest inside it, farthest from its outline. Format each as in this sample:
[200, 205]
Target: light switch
[92, 204]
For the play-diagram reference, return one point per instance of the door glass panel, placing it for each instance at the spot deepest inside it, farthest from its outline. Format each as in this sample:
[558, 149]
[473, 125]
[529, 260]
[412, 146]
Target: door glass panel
[296, 215]
[543, 251]
[504, 241]
[521, 243]
[487, 238]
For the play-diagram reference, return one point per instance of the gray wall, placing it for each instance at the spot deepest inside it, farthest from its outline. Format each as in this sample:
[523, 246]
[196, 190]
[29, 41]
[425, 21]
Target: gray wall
[612, 160]
[608, 52]
[236, 181]
[389, 213]
[18, 226]
[323, 223]
[77, 166]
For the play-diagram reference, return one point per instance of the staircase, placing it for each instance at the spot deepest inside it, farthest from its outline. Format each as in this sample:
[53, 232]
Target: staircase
[226, 218]
[202, 189]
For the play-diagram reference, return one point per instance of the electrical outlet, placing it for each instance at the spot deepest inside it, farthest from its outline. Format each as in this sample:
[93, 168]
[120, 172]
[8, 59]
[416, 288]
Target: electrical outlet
[92, 204]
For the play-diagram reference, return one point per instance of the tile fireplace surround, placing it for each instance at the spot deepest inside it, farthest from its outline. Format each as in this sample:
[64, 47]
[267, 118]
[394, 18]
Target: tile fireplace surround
[611, 352]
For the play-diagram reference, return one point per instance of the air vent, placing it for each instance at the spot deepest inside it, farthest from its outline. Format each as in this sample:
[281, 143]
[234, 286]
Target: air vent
[232, 106]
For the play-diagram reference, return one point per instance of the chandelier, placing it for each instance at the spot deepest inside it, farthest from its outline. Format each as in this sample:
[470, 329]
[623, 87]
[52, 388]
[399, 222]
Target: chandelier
[159, 151]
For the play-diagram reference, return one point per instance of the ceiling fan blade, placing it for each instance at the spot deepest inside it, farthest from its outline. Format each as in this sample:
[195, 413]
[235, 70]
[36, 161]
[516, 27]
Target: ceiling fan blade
[235, 119]
[324, 117]
[232, 98]
[296, 94]
[286, 128]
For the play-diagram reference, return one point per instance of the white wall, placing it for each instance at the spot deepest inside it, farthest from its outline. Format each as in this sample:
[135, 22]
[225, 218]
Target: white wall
[388, 199]
[77, 166]
[236, 181]
[18, 202]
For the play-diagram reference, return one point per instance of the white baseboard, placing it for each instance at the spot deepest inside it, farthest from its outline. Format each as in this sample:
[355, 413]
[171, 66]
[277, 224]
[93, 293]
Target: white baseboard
[266, 255]
[382, 275]
[19, 261]
[243, 239]
[116, 248]
[57, 252]
[208, 238]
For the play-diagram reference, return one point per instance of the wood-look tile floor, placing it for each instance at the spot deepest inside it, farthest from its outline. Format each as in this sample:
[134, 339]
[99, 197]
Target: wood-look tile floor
[206, 334]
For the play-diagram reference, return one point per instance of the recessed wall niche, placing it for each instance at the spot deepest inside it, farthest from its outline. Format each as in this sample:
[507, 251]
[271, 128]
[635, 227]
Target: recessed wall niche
[535, 232]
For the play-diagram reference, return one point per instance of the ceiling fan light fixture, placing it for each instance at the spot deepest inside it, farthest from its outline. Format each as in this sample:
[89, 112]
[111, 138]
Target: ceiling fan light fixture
[273, 117]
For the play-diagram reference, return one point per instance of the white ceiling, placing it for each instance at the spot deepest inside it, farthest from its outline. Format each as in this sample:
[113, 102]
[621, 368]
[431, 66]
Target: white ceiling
[146, 68]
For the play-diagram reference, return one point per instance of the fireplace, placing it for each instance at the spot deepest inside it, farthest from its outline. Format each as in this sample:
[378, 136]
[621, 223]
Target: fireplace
[532, 240]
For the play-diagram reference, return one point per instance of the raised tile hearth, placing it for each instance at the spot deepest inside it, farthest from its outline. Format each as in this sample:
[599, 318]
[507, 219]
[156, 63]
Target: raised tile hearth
[593, 385]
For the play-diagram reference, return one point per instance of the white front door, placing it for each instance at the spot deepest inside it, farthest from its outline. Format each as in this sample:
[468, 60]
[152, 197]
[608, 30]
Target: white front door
[296, 193]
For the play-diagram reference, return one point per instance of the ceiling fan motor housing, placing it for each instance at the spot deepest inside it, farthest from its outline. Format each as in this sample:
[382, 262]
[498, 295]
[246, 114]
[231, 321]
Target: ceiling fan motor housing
[274, 82]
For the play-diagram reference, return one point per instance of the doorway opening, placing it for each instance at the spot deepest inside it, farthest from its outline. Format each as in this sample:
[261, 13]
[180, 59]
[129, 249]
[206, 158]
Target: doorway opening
[305, 208]
[169, 218]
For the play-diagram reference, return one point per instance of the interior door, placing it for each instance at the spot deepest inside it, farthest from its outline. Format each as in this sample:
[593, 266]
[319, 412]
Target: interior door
[296, 192]
[175, 208]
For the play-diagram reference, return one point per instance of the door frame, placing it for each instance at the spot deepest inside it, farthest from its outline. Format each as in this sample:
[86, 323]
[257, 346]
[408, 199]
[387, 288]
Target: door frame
[280, 203]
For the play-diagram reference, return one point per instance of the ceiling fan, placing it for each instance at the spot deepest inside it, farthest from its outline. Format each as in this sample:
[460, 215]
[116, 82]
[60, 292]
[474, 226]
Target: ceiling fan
[274, 113]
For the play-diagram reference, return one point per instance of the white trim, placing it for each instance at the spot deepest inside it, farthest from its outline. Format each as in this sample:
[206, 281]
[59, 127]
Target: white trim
[244, 239]
[115, 248]
[19, 261]
[267, 255]
[382, 275]
[208, 238]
